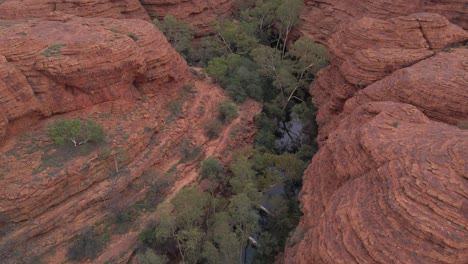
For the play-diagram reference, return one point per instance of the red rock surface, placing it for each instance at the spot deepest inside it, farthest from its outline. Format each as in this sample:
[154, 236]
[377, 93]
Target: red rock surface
[50, 194]
[202, 14]
[322, 18]
[27, 9]
[371, 49]
[389, 186]
[389, 183]
[123, 74]
[63, 63]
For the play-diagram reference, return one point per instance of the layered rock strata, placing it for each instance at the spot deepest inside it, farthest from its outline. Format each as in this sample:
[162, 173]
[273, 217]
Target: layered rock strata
[27, 9]
[371, 49]
[389, 183]
[321, 19]
[123, 74]
[202, 15]
[64, 63]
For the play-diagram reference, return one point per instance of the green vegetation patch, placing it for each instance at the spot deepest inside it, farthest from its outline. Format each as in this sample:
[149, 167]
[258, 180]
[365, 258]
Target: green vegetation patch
[54, 50]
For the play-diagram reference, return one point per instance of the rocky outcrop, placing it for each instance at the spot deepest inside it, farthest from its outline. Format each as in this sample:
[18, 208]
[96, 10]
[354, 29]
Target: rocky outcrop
[371, 49]
[27, 9]
[321, 19]
[64, 63]
[200, 14]
[49, 194]
[389, 186]
[125, 76]
[389, 183]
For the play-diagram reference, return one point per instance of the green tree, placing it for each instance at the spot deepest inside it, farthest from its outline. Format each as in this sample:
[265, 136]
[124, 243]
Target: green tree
[206, 49]
[189, 207]
[180, 222]
[238, 75]
[243, 219]
[75, 131]
[212, 168]
[262, 17]
[287, 16]
[150, 257]
[291, 72]
[237, 37]
[178, 33]
[227, 112]
[223, 245]
[217, 69]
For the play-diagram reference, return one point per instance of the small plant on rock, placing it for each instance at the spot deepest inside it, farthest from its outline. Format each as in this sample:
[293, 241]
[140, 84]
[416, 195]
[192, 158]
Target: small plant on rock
[213, 128]
[54, 50]
[75, 131]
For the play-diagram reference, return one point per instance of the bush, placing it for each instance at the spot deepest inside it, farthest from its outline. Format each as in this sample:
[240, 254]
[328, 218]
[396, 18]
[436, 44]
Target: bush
[211, 168]
[86, 246]
[189, 152]
[178, 33]
[213, 128]
[227, 112]
[76, 131]
[175, 107]
[133, 36]
[150, 257]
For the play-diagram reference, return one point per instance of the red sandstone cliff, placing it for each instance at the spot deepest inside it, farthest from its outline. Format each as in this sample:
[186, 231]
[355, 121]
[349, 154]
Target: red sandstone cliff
[64, 63]
[123, 74]
[27, 9]
[389, 184]
[323, 18]
[201, 14]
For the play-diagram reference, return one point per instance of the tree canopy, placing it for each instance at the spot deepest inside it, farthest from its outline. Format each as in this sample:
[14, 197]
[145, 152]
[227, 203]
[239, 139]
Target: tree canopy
[75, 131]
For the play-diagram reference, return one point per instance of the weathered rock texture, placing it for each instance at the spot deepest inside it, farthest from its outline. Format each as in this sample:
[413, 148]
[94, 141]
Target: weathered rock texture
[202, 14]
[64, 63]
[27, 9]
[323, 18]
[371, 49]
[389, 184]
[123, 74]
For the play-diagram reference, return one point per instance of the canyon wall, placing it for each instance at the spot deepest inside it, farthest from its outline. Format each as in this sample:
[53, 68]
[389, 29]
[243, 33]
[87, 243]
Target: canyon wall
[27, 9]
[63, 63]
[321, 19]
[200, 14]
[389, 183]
[122, 73]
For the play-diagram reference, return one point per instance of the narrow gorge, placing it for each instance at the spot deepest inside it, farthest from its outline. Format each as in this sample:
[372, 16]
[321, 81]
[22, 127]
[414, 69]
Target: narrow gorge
[233, 131]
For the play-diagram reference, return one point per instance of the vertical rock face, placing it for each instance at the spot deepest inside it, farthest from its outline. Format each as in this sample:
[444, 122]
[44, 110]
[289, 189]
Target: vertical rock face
[123, 74]
[323, 18]
[202, 14]
[389, 184]
[26, 9]
[371, 49]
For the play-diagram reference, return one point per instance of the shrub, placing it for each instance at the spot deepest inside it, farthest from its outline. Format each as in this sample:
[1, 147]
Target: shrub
[133, 36]
[227, 112]
[86, 246]
[213, 128]
[211, 168]
[178, 33]
[189, 152]
[54, 50]
[150, 257]
[76, 131]
[175, 107]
